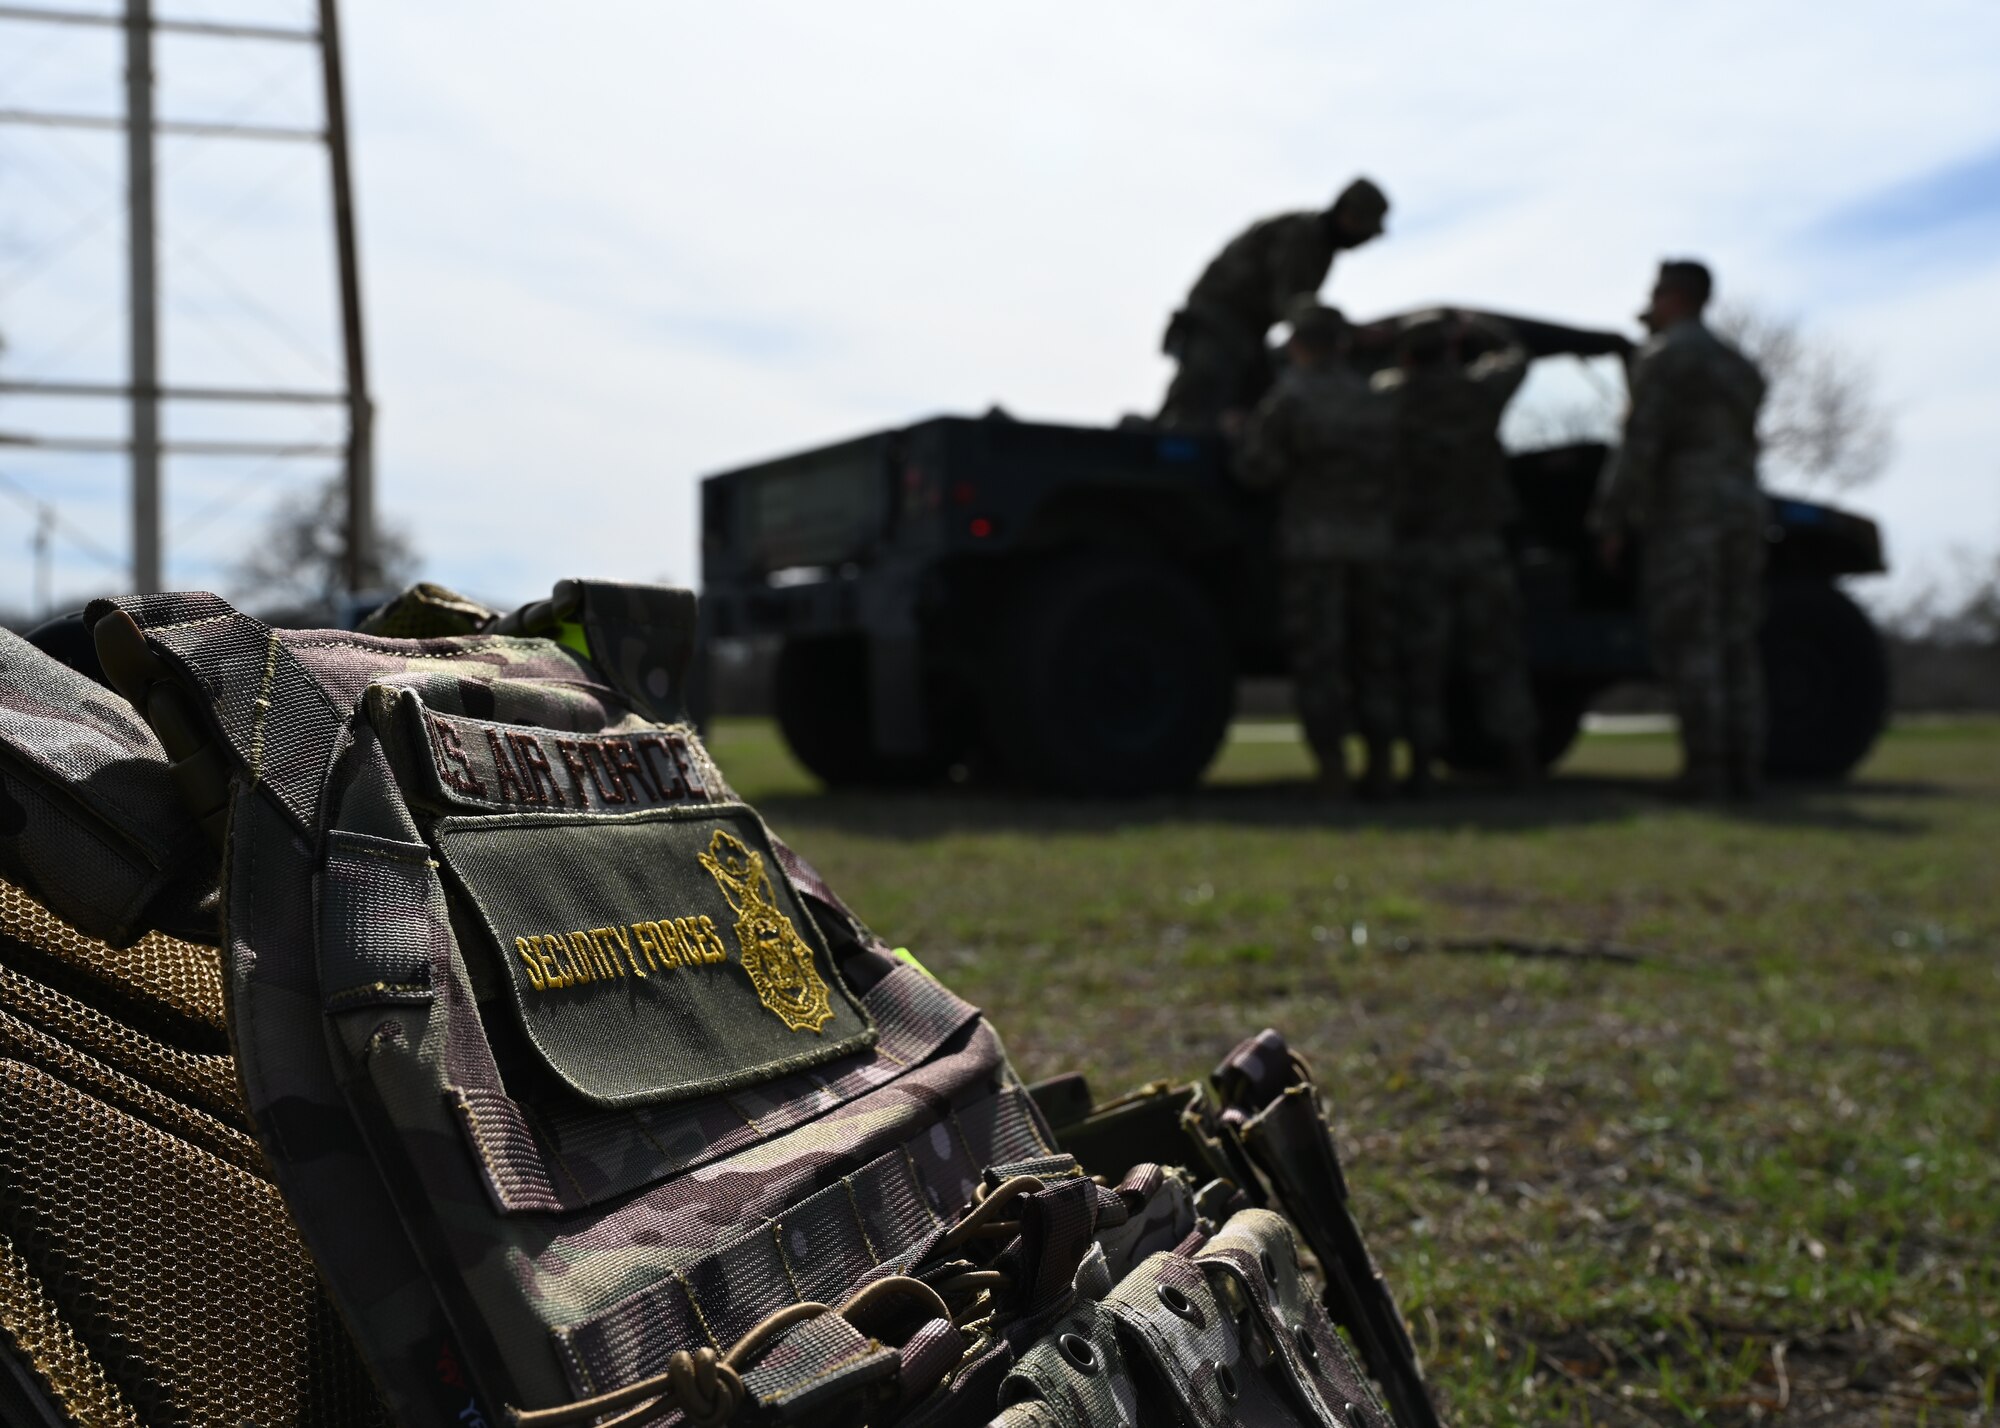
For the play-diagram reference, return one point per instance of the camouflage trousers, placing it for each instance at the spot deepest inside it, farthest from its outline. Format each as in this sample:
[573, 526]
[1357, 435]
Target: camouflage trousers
[1340, 629]
[1222, 367]
[1459, 594]
[1703, 592]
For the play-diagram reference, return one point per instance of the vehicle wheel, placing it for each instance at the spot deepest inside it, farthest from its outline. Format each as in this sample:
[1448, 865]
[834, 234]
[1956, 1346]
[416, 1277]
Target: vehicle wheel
[1113, 675]
[1826, 681]
[1560, 705]
[820, 689]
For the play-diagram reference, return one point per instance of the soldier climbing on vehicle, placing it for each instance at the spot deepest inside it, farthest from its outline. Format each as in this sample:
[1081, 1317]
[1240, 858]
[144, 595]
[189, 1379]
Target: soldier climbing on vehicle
[1218, 336]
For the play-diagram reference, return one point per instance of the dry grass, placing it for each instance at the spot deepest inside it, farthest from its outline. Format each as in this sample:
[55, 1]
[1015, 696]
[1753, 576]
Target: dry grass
[1753, 1176]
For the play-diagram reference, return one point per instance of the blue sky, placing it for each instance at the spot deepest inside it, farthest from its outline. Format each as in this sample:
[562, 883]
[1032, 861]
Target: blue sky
[1958, 202]
[609, 251]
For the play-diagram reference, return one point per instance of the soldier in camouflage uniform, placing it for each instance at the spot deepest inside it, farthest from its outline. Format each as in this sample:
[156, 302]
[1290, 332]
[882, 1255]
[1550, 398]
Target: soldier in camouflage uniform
[1218, 336]
[1685, 480]
[1455, 584]
[1323, 439]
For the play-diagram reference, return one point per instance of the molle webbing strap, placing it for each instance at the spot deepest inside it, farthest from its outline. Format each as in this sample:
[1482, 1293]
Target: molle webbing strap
[1271, 1110]
[642, 637]
[276, 719]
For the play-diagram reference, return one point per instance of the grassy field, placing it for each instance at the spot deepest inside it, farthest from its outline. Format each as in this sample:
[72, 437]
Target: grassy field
[1753, 1175]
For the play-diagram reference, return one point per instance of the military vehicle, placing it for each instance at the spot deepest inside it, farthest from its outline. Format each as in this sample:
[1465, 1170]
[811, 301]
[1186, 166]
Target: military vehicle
[1073, 607]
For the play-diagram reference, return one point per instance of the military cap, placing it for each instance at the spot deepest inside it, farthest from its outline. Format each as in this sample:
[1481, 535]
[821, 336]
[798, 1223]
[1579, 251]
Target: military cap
[1314, 323]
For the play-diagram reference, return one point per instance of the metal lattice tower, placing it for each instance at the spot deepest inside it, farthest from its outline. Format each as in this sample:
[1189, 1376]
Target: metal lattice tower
[142, 387]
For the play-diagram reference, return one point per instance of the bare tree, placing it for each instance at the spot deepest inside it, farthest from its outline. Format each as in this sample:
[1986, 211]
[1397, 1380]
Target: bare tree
[1958, 606]
[1823, 424]
[300, 556]
[1539, 425]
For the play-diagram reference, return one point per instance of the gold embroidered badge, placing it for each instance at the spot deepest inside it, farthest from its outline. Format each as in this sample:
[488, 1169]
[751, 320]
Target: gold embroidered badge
[779, 961]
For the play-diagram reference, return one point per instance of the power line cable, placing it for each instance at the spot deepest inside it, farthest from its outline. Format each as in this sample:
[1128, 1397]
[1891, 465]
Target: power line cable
[38, 260]
[54, 37]
[76, 337]
[24, 167]
[204, 515]
[80, 539]
[277, 324]
[278, 80]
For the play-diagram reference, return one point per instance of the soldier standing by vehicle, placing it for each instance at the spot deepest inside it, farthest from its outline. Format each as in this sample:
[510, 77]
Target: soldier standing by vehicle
[1218, 335]
[1322, 438]
[1455, 585]
[1685, 478]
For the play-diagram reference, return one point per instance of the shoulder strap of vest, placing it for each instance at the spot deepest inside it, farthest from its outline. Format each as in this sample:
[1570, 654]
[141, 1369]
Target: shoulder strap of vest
[271, 716]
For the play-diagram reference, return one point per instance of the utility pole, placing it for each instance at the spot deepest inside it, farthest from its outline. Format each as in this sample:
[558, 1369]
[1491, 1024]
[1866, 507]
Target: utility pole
[361, 571]
[45, 529]
[142, 387]
[143, 295]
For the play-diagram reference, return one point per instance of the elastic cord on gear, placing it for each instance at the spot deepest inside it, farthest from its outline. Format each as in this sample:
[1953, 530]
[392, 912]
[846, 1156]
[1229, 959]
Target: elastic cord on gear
[706, 1387]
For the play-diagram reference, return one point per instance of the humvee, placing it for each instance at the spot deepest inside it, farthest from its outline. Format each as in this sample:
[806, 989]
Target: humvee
[1073, 607]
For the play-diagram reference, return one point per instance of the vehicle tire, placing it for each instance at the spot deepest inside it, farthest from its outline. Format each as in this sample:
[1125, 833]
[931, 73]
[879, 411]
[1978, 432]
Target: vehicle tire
[1560, 705]
[1826, 681]
[1111, 675]
[820, 690]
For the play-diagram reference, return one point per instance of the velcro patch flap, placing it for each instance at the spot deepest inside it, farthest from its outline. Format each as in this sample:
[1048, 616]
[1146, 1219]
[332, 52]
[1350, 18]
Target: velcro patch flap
[654, 956]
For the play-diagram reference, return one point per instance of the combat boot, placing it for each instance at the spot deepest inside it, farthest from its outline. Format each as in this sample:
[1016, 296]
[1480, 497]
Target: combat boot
[1378, 777]
[1699, 781]
[1520, 770]
[1746, 779]
[1422, 779]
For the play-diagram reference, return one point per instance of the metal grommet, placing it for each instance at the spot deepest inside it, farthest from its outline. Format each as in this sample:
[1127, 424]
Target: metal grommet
[1270, 1265]
[1080, 1352]
[1308, 1350]
[1225, 1380]
[1176, 1301]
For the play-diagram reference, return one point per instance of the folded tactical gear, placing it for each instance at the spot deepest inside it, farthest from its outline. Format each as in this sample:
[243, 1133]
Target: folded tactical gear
[89, 818]
[149, 1272]
[595, 1104]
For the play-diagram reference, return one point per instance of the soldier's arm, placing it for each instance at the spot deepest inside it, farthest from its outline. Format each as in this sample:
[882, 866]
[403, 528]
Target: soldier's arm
[1263, 457]
[1299, 265]
[1623, 491]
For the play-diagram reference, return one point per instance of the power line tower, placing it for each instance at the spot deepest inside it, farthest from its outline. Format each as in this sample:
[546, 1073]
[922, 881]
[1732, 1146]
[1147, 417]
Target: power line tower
[142, 387]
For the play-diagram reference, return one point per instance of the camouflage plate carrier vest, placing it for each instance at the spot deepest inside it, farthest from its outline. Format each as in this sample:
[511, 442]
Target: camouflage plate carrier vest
[593, 1104]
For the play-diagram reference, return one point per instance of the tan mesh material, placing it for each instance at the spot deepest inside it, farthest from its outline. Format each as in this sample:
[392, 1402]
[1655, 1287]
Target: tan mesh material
[22, 1042]
[205, 1080]
[187, 1270]
[74, 1379]
[184, 977]
[149, 1272]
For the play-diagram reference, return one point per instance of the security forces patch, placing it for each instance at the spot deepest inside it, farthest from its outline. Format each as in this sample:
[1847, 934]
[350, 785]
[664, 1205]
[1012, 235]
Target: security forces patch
[654, 956]
[778, 960]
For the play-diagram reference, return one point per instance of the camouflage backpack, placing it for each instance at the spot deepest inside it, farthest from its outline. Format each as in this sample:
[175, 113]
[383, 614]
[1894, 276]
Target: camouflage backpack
[595, 1104]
